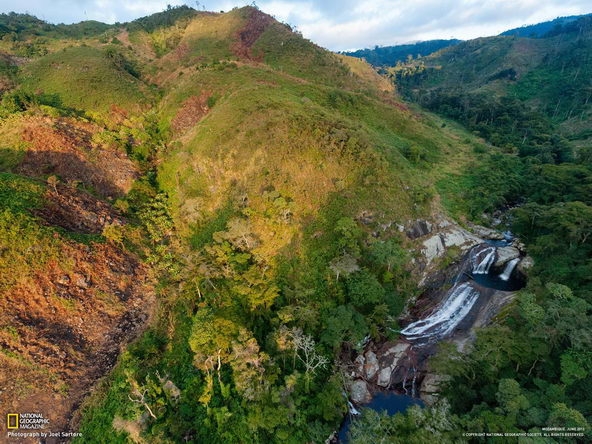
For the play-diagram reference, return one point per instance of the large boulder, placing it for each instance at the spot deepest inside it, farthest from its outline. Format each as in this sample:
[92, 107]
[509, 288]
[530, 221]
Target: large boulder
[371, 366]
[389, 358]
[419, 228]
[451, 236]
[505, 255]
[398, 349]
[359, 392]
[486, 233]
[521, 247]
[384, 377]
[458, 237]
[525, 264]
[430, 387]
[359, 365]
[433, 247]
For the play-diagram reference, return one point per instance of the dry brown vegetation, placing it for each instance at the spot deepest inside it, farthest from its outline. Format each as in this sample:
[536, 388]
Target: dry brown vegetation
[62, 328]
[77, 211]
[246, 37]
[193, 110]
[64, 147]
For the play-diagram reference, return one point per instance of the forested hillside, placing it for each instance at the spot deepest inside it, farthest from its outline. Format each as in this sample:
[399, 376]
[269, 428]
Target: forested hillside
[527, 99]
[206, 217]
[542, 29]
[390, 55]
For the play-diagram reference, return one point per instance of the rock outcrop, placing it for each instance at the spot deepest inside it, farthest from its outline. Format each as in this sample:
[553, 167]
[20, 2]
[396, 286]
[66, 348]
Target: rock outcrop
[505, 255]
[359, 392]
[444, 236]
[486, 233]
[525, 264]
[371, 366]
[418, 229]
[430, 387]
[401, 365]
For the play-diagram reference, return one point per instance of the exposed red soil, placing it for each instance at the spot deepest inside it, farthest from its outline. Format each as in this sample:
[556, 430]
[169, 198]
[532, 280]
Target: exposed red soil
[181, 52]
[77, 211]
[63, 329]
[193, 110]
[118, 114]
[65, 148]
[257, 23]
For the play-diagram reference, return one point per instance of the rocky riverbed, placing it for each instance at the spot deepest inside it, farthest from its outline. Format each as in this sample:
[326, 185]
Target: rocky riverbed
[455, 302]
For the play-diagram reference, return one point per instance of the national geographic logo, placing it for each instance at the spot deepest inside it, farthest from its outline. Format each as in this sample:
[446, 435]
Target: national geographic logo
[26, 421]
[33, 425]
[12, 421]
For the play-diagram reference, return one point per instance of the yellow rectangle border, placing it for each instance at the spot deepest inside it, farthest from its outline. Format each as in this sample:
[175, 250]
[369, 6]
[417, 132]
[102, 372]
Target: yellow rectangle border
[15, 420]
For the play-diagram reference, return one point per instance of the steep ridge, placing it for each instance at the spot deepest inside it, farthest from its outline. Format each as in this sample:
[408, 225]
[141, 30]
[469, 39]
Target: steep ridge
[71, 294]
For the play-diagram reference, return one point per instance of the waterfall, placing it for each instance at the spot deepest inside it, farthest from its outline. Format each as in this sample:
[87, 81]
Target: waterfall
[481, 266]
[509, 268]
[352, 410]
[413, 394]
[459, 301]
[405, 380]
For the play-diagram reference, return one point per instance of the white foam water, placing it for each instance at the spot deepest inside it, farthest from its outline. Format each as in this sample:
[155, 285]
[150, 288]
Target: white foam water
[508, 270]
[483, 260]
[457, 305]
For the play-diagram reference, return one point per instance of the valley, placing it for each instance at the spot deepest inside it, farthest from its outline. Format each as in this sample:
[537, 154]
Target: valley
[214, 230]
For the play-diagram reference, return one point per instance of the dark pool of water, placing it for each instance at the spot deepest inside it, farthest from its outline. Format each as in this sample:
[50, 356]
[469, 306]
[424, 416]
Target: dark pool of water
[498, 243]
[492, 280]
[389, 402]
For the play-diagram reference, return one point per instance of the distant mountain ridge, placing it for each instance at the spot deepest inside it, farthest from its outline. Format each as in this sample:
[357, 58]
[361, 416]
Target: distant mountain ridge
[390, 55]
[540, 30]
[528, 96]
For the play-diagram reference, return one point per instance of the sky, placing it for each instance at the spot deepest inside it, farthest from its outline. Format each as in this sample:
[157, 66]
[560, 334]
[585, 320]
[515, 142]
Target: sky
[337, 25]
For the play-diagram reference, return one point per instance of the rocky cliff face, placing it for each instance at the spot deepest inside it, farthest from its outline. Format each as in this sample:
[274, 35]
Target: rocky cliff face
[401, 364]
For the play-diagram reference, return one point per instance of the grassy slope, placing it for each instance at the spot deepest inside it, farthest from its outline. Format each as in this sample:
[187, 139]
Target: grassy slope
[85, 79]
[269, 129]
[289, 137]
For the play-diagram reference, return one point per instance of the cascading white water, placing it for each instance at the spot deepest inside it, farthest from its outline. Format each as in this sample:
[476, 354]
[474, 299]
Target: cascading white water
[352, 410]
[405, 381]
[459, 301]
[509, 268]
[483, 260]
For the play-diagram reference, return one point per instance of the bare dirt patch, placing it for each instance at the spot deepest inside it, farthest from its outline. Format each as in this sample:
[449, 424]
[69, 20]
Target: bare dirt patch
[62, 329]
[77, 211]
[192, 111]
[65, 148]
[257, 23]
